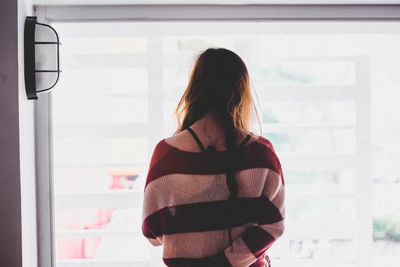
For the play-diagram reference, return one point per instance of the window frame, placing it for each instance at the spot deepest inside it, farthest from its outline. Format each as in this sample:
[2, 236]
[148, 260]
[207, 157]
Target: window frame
[48, 13]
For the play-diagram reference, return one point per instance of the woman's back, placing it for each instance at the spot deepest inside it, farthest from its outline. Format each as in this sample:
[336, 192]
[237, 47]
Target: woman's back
[188, 209]
[211, 133]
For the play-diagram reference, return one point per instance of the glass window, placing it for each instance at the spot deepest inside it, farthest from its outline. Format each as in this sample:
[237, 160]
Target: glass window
[326, 94]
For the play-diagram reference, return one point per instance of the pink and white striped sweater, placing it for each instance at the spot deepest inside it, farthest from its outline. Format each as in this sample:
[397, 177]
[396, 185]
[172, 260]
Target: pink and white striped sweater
[186, 207]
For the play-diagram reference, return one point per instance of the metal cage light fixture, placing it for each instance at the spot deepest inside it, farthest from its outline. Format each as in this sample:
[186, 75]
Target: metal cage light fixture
[42, 70]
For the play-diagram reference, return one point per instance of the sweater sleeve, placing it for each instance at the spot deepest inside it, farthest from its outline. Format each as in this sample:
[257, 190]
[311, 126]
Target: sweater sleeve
[150, 199]
[254, 242]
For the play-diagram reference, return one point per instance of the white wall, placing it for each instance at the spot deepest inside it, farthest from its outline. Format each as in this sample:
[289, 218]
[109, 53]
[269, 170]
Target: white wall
[27, 150]
[17, 174]
[10, 206]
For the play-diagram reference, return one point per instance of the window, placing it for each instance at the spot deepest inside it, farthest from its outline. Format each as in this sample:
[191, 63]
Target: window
[327, 101]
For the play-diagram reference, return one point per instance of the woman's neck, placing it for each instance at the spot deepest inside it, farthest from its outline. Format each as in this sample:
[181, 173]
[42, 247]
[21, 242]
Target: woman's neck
[211, 129]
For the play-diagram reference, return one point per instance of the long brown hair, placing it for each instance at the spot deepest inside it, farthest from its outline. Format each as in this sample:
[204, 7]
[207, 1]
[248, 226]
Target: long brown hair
[220, 83]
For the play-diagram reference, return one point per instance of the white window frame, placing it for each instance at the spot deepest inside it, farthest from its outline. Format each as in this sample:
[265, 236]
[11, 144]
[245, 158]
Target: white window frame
[48, 12]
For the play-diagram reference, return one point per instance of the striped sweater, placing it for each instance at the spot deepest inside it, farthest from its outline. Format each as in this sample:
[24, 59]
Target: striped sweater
[186, 207]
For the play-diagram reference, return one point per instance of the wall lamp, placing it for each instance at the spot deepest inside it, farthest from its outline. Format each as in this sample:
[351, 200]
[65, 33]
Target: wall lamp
[41, 54]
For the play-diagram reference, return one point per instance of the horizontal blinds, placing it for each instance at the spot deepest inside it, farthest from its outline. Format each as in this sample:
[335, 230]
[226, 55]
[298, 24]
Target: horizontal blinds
[115, 103]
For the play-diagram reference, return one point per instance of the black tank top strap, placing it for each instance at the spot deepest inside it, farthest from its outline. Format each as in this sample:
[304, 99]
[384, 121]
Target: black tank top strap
[212, 148]
[196, 138]
[244, 141]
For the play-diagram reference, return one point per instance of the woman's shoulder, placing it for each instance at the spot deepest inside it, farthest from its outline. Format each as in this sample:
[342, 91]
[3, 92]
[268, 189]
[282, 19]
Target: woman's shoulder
[267, 152]
[160, 151]
[168, 158]
[183, 141]
[263, 142]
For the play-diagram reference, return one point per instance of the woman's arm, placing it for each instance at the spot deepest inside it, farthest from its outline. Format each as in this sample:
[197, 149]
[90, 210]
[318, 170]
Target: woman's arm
[148, 231]
[150, 200]
[253, 243]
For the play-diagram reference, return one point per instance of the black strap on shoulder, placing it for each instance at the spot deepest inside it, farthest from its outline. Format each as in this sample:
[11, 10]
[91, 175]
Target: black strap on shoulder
[212, 148]
[244, 141]
[196, 138]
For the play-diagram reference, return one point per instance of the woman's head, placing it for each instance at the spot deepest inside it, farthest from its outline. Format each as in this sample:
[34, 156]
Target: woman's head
[219, 83]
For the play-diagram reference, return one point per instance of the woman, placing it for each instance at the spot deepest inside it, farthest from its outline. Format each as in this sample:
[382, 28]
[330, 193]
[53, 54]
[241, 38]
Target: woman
[214, 194]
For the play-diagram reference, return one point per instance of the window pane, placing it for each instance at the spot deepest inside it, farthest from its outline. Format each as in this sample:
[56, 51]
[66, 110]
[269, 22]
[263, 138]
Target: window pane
[99, 179]
[101, 110]
[100, 151]
[102, 81]
[299, 113]
[326, 91]
[305, 72]
[314, 141]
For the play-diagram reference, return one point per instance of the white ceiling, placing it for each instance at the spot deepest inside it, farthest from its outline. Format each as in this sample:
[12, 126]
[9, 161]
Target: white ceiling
[230, 2]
